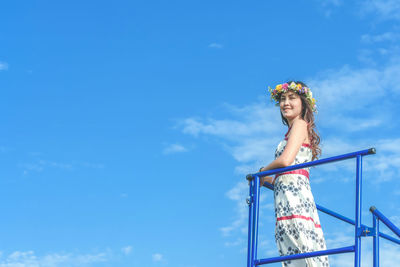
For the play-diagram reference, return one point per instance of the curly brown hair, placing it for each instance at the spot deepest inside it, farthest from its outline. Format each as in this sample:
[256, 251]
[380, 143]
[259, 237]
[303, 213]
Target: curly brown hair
[308, 116]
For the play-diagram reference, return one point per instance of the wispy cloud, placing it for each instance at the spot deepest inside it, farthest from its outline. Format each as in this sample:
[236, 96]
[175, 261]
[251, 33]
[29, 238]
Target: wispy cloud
[30, 259]
[338, 88]
[326, 3]
[126, 250]
[385, 9]
[383, 168]
[238, 227]
[215, 45]
[389, 253]
[40, 165]
[238, 194]
[387, 36]
[174, 148]
[3, 65]
[157, 257]
[247, 135]
[328, 6]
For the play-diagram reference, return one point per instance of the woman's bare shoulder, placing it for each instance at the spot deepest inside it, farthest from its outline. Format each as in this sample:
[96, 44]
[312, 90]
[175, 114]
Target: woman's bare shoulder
[300, 124]
[299, 129]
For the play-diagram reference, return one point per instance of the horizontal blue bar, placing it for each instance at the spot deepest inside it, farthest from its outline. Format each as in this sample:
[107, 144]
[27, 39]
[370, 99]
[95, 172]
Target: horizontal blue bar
[306, 255]
[336, 215]
[385, 220]
[388, 237]
[316, 162]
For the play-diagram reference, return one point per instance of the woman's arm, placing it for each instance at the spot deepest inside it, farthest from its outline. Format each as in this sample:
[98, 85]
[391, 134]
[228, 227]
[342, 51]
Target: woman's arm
[298, 134]
[267, 179]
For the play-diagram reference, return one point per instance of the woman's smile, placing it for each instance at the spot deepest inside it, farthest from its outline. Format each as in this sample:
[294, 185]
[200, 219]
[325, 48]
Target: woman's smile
[290, 104]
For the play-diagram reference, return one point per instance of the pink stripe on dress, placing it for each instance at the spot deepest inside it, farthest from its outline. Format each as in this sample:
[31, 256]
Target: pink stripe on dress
[300, 171]
[298, 217]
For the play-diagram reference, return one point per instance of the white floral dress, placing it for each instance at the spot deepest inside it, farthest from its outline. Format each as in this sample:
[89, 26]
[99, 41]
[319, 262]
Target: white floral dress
[298, 228]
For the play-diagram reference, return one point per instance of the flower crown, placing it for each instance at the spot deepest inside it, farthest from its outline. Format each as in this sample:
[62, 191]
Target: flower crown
[298, 88]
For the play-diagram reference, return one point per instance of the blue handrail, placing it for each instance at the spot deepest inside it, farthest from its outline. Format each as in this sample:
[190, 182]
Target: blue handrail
[314, 163]
[360, 229]
[385, 220]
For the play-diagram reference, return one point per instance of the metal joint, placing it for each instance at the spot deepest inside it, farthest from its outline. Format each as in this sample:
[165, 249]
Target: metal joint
[249, 177]
[367, 231]
[249, 200]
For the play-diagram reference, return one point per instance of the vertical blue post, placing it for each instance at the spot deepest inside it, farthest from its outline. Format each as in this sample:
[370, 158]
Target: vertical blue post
[358, 230]
[256, 202]
[375, 222]
[249, 241]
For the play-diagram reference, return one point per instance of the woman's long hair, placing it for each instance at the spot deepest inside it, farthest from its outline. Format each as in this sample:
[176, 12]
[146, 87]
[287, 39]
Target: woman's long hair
[308, 116]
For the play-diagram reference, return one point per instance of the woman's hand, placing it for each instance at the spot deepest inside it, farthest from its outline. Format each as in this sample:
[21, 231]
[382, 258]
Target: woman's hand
[267, 179]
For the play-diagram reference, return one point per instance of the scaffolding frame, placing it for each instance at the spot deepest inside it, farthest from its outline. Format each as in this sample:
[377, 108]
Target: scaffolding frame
[360, 230]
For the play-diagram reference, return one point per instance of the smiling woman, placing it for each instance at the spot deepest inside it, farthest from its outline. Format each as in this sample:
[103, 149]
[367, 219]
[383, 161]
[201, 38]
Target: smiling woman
[298, 229]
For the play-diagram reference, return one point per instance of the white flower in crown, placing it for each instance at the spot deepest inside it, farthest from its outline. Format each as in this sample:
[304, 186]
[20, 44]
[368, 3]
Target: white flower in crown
[293, 86]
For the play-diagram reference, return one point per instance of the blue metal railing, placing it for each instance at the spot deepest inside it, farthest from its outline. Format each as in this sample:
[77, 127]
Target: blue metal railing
[360, 229]
[376, 217]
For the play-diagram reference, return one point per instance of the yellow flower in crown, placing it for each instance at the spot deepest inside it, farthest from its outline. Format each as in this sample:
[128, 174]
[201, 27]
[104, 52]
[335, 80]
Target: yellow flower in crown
[299, 86]
[278, 87]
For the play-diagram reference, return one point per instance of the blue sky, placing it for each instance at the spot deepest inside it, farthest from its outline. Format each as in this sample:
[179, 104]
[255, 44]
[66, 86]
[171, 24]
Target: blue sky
[128, 126]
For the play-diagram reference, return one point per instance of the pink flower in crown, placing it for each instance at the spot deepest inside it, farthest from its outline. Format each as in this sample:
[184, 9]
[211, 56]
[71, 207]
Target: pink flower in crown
[285, 86]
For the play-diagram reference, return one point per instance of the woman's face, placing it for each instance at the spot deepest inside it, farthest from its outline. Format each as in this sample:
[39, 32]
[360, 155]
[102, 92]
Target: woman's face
[290, 104]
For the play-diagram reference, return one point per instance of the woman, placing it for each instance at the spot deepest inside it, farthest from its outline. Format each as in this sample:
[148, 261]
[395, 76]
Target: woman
[298, 229]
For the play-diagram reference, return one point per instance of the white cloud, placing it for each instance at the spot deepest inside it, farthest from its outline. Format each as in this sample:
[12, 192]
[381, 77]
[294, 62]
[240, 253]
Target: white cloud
[384, 165]
[30, 259]
[40, 165]
[387, 36]
[350, 89]
[335, 146]
[389, 252]
[333, 2]
[238, 194]
[3, 66]
[385, 9]
[246, 135]
[395, 220]
[127, 250]
[239, 225]
[174, 148]
[215, 45]
[357, 100]
[328, 6]
[157, 257]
